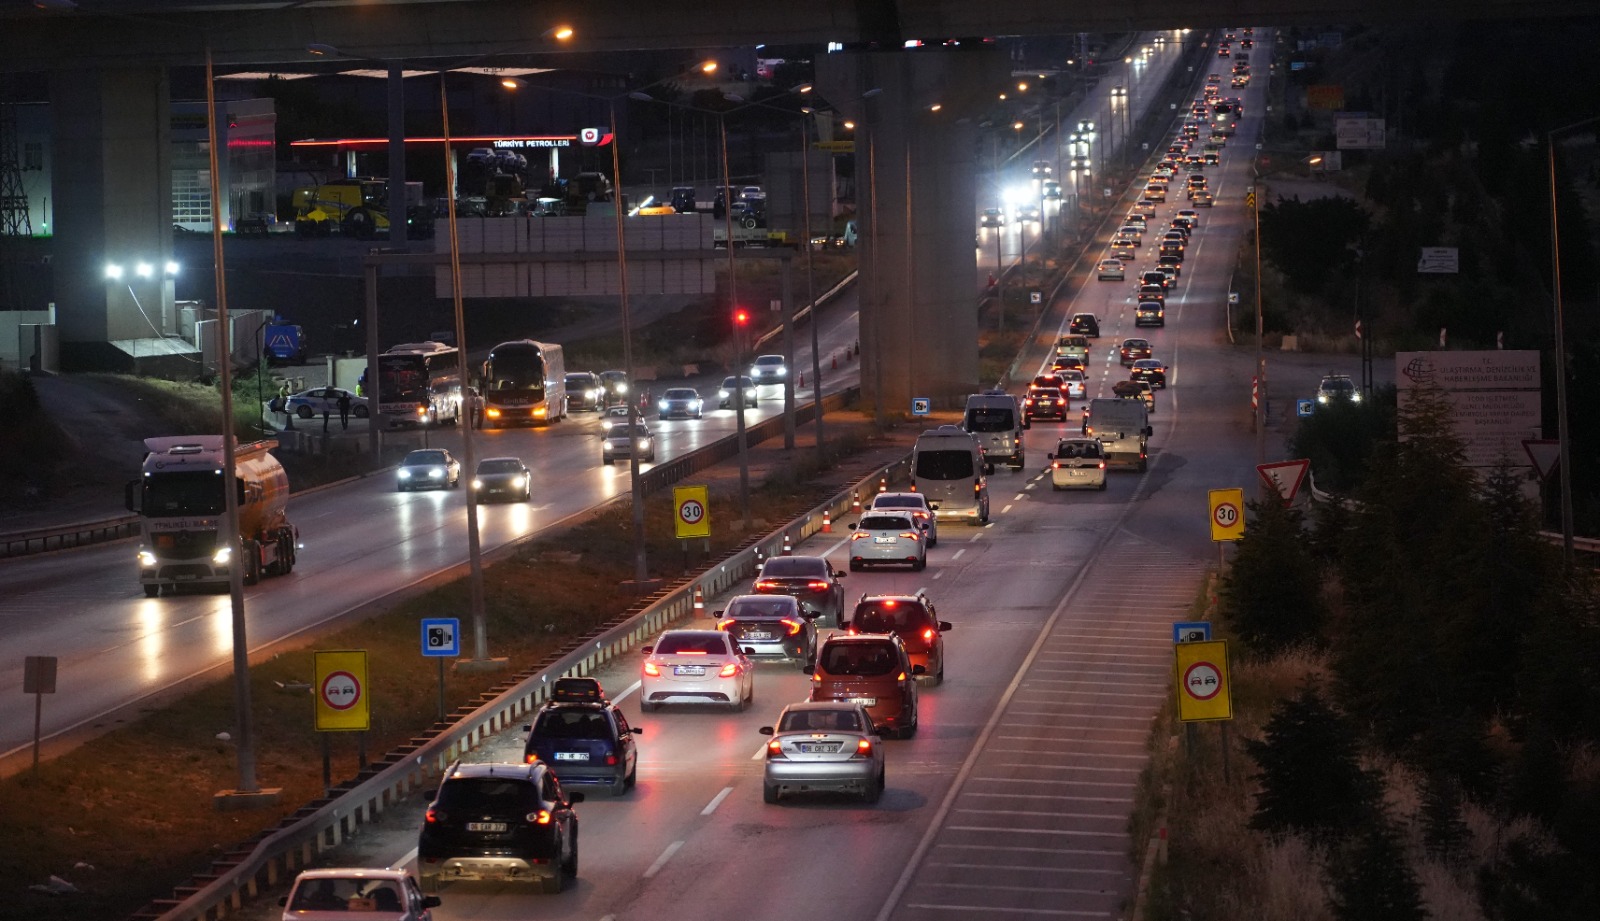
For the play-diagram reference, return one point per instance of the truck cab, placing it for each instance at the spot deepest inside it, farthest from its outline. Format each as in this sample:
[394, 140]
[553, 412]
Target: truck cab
[1123, 430]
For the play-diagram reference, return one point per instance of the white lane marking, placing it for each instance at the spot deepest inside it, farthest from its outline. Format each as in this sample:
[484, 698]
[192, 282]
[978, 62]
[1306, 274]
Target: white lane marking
[630, 689]
[975, 537]
[957, 555]
[984, 909]
[760, 753]
[1017, 498]
[937, 575]
[716, 801]
[661, 861]
[1007, 508]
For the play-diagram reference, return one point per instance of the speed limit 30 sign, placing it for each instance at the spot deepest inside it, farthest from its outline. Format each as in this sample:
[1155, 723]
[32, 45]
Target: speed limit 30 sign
[1227, 514]
[691, 515]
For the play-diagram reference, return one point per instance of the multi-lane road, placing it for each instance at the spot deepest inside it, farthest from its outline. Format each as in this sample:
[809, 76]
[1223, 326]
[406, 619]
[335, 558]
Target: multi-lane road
[1013, 798]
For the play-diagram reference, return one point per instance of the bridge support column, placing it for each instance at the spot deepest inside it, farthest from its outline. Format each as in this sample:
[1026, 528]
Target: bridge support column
[916, 207]
[112, 183]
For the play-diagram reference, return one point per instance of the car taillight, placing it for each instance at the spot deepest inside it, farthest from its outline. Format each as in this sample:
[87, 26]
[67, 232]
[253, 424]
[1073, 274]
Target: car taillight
[863, 748]
[858, 535]
[653, 670]
[902, 677]
[611, 760]
[977, 488]
[542, 817]
[817, 586]
[1055, 465]
[774, 749]
[728, 671]
[432, 816]
[908, 535]
[927, 634]
[793, 625]
[817, 677]
[1101, 465]
[530, 758]
[725, 624]
[765, 585]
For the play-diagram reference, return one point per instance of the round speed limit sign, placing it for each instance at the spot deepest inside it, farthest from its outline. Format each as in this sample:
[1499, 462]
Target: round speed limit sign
[692, 511]
[1227, 515]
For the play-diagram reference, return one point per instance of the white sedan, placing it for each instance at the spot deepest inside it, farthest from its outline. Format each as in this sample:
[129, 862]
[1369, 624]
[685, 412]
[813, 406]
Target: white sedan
[1110, 270]
[308, 404]
[696, 666]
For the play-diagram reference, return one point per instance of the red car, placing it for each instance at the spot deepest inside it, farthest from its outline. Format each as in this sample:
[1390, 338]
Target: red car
[1135, 349]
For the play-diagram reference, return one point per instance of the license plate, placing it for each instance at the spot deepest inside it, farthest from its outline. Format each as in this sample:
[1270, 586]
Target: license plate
[688, 669]
[761, 635]
[572, 756]
[883, 540]
[486, 826]
[818, 748]
[865, 701]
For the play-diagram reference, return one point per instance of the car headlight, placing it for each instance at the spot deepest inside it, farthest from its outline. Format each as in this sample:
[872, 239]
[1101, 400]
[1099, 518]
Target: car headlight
[1322, 398]
[697, 403]
[622, 388]
[517, 482]
[755, 371]
[644, 442]
[1355, 397]
[783, 372]
[222, 556]
[405, 474]
[608, 447]
[435, 473]
[663, 405]
[147, 559]
[723, 394]
[594, 394]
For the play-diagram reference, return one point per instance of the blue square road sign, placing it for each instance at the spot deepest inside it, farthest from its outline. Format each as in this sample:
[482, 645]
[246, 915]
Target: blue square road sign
[921, 406]
[441, 636]
[1191, 631]
[1304, 408]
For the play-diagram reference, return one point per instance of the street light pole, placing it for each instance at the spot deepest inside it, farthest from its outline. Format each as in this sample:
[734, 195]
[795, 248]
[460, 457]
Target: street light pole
[480, 626]
[738, 332]
[641, 567]
[811, 294]
[1562, 435]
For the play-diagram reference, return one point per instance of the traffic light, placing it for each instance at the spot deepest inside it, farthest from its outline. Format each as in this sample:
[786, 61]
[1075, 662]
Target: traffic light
[741, 317]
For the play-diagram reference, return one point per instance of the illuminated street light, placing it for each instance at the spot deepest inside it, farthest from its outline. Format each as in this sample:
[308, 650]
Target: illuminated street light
[144, 270]
[113, 272]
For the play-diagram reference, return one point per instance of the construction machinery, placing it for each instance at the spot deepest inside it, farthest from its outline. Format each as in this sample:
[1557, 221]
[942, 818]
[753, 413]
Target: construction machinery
[357, 207]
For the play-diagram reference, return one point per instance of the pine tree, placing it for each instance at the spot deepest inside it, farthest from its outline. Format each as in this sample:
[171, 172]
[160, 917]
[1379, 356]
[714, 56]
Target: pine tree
[1444, 832]
[1272, 593]
[1371, 880]
[1311, 781]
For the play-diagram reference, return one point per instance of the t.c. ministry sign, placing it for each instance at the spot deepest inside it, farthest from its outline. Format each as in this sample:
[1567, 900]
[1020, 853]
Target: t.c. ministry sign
[1494, 394]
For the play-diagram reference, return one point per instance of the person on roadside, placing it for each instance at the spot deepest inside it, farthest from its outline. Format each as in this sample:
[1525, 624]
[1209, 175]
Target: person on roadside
[344, 409]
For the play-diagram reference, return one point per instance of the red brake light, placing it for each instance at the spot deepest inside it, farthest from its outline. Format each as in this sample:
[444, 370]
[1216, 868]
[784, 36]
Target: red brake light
[908, 535]
[1102, 465]
[531, 758]
[817, 586]
[725, 624]
[793, 625]
[763, 585]
[542, 817]
[774, 749]
[858, 535]
[729, 670]
[863, 748]
[611, 760]
[653, 670]
[431, 816]
[927, 634]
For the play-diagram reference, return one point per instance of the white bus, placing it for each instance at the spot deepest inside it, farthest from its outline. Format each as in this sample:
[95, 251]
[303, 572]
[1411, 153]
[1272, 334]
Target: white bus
[524, 382]
[419, 383]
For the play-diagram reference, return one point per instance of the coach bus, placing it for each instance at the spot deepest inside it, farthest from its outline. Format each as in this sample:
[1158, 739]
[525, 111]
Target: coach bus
[419, 383]
[524, 382]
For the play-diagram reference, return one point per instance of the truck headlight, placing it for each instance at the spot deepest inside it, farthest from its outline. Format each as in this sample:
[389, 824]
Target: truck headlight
[622, 388]
[147, 559]
[222, 556]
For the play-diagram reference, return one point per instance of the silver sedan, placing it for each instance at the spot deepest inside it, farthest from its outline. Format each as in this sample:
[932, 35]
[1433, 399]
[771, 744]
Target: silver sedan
[823, 746]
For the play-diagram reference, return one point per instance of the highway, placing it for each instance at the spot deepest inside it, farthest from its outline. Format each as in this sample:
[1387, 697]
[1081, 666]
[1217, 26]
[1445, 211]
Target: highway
[1012, 800]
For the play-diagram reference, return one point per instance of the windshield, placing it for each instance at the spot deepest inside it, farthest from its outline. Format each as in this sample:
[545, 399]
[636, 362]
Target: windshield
[347, 894]
[763, 606]
[944, 465]
[173, 494]
[489, 796]
[424, 458]
[709, 644]
[820, 721]
[580, 380]
[990, 420]
[897, 502]
[402, 377]
[1090, 449]
[572, 723]
[859, 659]
[795, 566]
[889, 616]
[500, 466]
[884, 523]
[682, 395]
[514, 368]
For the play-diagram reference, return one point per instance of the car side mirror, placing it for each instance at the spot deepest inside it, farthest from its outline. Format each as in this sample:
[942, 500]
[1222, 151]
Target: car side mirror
[574, 798]
[748, 650]
[809, 669]
[636, 730]
[765, 730]
[1050, 457]
[431, 901]
[918, 670]
[945, 626]
[283, 900]
[716, 613]
[934, 506]
[646, 650]
[1149, 430]
[840, 574]
[527, 727]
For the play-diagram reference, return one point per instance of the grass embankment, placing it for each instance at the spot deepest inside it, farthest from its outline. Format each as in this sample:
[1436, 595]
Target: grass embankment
[128, 816]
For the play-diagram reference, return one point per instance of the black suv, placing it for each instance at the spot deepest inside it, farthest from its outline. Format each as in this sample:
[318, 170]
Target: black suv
[810, 580]
[584, 738]
[502, 822]
[585, 392]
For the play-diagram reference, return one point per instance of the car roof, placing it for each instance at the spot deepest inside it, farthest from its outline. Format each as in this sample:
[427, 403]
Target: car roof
[917, 597]
[394, 873]
[900, 495]
[689, 632]
[761, 358]
[487, 460]
[862, 638]
[511, 770]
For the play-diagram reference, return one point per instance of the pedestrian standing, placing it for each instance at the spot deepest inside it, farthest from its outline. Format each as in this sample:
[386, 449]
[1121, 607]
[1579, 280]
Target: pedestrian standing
[344, 409]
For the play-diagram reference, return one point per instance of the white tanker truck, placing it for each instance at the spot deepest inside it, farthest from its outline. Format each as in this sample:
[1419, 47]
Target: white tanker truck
[180, 496]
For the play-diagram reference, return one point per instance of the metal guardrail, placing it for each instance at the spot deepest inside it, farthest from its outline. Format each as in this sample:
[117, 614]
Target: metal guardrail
[61, 537]
[324, 824]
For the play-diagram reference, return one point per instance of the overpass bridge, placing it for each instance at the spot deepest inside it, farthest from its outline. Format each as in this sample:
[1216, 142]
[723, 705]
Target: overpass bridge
[107, 63]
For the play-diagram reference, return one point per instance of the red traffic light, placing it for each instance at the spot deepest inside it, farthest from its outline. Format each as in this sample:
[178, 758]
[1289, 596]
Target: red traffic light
[741, 317]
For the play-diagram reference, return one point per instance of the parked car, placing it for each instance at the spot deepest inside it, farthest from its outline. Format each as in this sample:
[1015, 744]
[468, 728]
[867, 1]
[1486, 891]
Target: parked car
[308, 404]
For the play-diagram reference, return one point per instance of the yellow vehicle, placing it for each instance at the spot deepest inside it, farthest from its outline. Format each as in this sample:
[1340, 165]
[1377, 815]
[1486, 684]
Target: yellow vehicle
[357, 207]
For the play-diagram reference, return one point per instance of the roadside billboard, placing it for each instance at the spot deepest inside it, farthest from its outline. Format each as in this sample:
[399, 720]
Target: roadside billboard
[1495, 396]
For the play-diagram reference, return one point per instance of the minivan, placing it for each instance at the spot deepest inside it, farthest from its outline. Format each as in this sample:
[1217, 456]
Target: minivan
[948, 465]
[1122, 427]
[995, 419]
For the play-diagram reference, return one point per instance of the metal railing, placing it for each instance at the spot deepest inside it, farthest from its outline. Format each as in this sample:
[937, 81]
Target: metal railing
[63, 537]
[275, 856]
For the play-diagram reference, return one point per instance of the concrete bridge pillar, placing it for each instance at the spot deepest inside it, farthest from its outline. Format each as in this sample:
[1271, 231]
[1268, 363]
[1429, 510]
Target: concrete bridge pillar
[112, 184]
[916, 201]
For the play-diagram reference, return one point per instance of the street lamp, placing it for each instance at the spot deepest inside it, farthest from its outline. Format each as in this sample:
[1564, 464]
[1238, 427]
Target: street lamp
[1562, 435]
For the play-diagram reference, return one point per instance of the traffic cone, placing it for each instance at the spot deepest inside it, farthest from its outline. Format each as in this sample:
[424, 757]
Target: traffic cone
[801, 383]
[699, 600]
[836, 361]
[883, 484]
[787, 547]
[827, 522]
[855, 502]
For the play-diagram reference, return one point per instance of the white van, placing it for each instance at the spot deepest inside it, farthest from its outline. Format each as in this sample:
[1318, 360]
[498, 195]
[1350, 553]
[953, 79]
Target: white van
[948, 466]
[995, 419]
[1122, 427]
